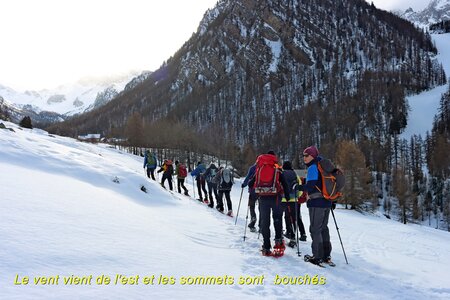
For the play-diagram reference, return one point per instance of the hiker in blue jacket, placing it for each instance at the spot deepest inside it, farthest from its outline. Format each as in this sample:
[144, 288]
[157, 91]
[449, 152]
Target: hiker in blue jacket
[150, 163]
[199, 174]
[319, 208]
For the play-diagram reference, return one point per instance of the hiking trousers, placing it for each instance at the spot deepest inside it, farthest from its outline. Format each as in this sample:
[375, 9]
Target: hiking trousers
[268, 204]
[212, 189]
[320, 235]
[220, 200]
[151, 172]
[180, 184]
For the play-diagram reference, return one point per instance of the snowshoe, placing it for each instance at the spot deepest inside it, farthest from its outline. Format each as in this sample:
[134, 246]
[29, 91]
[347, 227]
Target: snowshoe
[186, 193]
[252, 229]
[220, 209]
[206, 201]
[278, 249]
[303, 238]
[230, 213]
[313, 260]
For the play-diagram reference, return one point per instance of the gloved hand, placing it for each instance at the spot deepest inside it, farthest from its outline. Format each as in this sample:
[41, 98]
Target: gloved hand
[243, 185]
[333, 205]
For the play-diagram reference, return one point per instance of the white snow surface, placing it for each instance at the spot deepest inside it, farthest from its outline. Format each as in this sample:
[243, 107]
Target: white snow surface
[61, 214]
[424, 106]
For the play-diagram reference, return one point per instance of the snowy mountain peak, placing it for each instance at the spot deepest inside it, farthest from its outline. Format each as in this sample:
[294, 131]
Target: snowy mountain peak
[68, 99]
[436, 11]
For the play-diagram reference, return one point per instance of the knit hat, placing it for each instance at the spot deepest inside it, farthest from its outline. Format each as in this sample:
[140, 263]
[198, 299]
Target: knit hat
[287, 165]
[311, 150]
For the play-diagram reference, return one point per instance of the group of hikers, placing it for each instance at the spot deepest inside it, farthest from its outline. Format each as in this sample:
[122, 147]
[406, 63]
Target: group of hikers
[276, 188]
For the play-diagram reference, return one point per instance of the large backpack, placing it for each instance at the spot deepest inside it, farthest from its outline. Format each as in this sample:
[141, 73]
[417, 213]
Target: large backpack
[226, 179]
[212, 173]
[267, 176]
[333, 179]
[151, 161]
[182, 171]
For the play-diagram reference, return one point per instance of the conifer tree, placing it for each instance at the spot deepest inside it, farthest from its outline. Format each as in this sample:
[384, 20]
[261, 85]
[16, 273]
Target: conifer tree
[357, 187]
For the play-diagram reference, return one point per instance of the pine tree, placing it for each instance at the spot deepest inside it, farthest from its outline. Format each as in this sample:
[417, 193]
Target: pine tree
[402, 191]
[357, 187]
[134, 131]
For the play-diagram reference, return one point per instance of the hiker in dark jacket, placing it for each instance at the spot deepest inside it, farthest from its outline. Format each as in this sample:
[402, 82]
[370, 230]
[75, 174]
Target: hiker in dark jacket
[224, 179]
[210, 174]
[268, 204]
[199, 174]
[167, 169]
[291, 217]
[251, 197]
[150, 163]
[319, 208]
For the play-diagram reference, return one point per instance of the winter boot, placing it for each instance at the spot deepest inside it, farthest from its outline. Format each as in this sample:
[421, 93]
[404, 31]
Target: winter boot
[303, 238]
[289, 235]
[292, 243]
[327, 260]
[230, 213]
[252, 223]
[266, 252]
[313, 260]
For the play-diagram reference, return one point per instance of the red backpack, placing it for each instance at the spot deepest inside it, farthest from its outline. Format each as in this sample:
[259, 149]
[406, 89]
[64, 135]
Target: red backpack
[267, 176]
[182, 172]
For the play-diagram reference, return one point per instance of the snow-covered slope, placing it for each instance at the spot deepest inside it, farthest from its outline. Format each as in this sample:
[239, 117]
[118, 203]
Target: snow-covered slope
[424, 106]
[62, 214]
[69, 99]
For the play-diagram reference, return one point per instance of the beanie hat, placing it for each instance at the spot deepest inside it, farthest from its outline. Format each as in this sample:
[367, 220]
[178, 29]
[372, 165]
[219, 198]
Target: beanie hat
[312, 150]
[287, 165]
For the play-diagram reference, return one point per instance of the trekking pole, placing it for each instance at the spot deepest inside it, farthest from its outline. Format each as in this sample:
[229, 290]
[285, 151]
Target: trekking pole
[332, 212]
[193, 186]
[239, 206]
[296, 228]
[246, 220]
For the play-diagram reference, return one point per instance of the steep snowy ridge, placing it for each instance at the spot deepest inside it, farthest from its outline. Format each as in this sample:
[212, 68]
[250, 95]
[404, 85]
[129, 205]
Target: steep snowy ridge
[436, 11]
[62, 214]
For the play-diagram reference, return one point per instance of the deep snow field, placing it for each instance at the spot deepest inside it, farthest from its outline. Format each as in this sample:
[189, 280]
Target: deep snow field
[63, 220]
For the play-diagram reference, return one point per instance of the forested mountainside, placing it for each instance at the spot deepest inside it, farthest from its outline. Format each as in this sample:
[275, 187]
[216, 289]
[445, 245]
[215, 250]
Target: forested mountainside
[281, 74]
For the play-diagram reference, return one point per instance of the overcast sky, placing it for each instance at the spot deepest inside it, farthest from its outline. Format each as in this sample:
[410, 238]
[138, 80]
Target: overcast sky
[45, 43]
